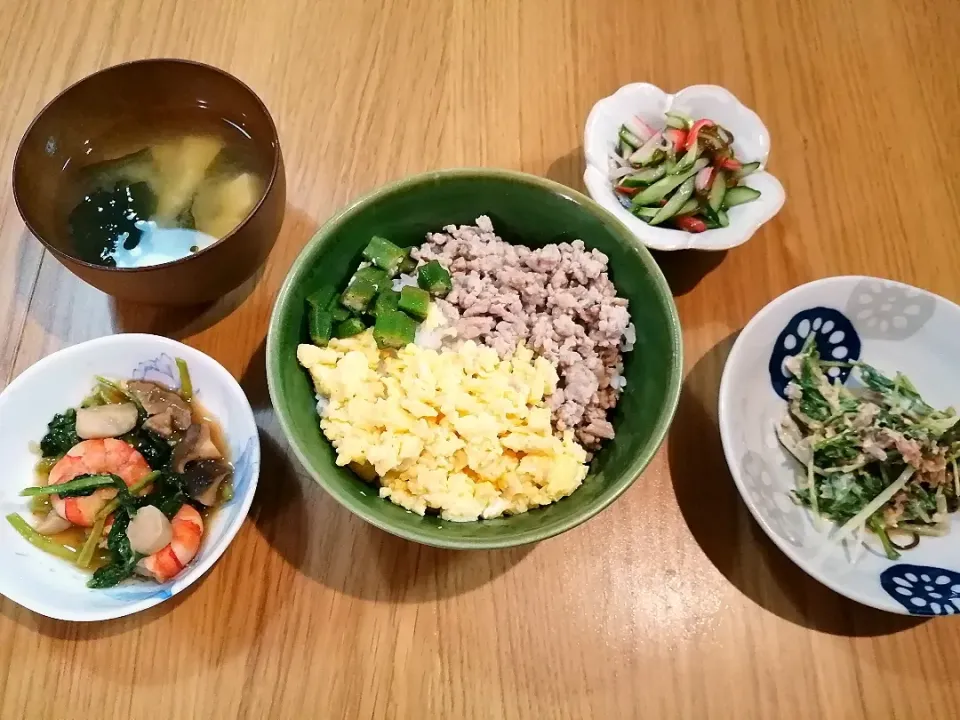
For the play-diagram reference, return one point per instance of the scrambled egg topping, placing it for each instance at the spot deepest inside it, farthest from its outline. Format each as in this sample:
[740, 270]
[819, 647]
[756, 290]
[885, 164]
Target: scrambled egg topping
[455, 430]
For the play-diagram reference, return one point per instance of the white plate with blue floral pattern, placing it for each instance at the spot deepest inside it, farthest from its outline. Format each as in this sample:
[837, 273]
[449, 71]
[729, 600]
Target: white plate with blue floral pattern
[53, 587]
[893, 327]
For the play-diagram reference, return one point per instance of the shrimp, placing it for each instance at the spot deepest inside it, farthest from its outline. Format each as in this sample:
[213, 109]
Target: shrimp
[93, 457]
[187, 526]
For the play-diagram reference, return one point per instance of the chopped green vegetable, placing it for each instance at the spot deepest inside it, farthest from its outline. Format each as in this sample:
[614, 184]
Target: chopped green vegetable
[408, 264]
[394, 329]
[629, 138]
[155, 449]
[747, 169]
[358, 295]
[40, 504]
[415, 302]
[123, 558]
[61, 435]
[78, 487]
[434, 278]
[321, 326]
[384, 254]
[660, 189]
[642, 178]
[739, 195]
[42, 542]
[120, 391]
[90, 545]
[186, 384]
[386, 300]
[717, 190]
[339, 314]
[322, 298]
[377, 277]
[676, 201]
[168, 494]
[128, 495]
[678, 120]
[349, 328]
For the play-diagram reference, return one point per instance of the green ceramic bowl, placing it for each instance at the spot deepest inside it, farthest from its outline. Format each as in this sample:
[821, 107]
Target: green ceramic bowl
[524, 209]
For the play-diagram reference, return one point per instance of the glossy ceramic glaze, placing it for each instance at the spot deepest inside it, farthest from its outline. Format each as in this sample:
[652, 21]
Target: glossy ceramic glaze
[649, 103]
[54, 587]
[127, 94]
[524, 209]
[893, 327]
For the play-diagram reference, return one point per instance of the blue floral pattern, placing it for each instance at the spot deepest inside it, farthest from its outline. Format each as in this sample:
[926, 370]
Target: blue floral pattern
[923, 590]
[134, 591]
[244, 469]
[161, 370]
[835, 336]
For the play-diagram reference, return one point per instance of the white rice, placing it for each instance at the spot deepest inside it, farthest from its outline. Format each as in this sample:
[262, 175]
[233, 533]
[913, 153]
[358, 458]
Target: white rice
[629, 338]
[403, 280]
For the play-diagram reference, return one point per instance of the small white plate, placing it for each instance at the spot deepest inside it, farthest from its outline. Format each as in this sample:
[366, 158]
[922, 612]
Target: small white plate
[53, 587]
[892, 327]
[649, 103]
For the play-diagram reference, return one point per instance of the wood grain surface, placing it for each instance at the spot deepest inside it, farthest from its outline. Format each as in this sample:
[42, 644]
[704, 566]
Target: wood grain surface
[672, 603]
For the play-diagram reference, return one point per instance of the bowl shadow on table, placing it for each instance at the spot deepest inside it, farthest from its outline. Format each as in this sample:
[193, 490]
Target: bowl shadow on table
[330, 545]
[684, 269]
[727, 533]
[179, 322]
[568, 170]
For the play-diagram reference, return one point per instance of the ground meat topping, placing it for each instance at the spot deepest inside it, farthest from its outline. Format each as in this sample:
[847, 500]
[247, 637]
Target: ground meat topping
[557, 299]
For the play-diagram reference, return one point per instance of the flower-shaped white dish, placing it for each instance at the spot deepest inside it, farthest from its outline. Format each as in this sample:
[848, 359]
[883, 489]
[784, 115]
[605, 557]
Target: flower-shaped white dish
[649, 103]
[891, 326]
[51, 586]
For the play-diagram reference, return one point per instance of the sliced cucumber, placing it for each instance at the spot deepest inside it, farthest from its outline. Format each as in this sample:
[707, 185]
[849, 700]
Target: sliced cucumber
[676, 201]
[660, 189]
[645, 213]
[722, 217]
[690, 206]
[644, 177]
[718, 188]
[736, 196]
[629, 138]
[689, 157]
[647, 151]
[678, 120]
[746, 170]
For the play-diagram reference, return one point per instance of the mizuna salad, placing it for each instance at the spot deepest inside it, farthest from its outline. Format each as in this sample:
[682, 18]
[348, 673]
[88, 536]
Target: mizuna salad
[876, 457]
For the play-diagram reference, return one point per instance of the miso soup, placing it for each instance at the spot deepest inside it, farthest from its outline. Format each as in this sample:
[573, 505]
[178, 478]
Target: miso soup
[157, 194]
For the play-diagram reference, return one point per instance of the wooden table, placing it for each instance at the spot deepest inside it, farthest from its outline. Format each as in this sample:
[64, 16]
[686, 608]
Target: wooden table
[672, 604]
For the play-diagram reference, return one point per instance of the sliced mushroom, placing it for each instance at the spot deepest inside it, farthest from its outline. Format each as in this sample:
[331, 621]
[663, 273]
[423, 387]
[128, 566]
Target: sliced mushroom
[162, 424]
[52, 524]
[195, 445]
[172, 411]
[149, 531]
[106, 421]
[203, 478]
